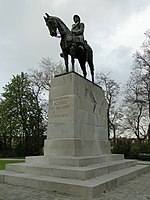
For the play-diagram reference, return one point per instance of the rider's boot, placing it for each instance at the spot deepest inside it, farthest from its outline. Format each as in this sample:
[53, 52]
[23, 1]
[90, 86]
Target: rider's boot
[61, 55]
[81, 48]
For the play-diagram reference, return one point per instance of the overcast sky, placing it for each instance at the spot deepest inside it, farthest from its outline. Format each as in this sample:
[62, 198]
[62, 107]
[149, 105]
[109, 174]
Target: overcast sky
[114, 29]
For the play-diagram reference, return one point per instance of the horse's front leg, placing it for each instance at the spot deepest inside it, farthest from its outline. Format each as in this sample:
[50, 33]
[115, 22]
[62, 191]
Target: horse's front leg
[66, 61]
[72, 53]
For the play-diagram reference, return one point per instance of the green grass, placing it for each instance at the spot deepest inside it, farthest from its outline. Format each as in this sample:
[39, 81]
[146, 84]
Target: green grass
[4, 162]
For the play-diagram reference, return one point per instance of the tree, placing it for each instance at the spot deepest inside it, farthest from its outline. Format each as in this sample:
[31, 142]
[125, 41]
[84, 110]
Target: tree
[137, 94]
[112, 89]
[41, 78]
[21, 116]
[41, 81]
[5, 136]
[142, 63]
[135, 112]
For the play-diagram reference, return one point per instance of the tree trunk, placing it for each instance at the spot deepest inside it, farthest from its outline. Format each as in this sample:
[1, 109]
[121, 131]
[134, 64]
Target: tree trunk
[148, 132]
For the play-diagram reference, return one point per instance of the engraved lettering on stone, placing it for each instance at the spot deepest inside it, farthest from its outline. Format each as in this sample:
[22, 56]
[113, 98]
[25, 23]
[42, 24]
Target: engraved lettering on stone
[60, 106]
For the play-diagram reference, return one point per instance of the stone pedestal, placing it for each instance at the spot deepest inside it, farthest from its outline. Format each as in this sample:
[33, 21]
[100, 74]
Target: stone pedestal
[77, 124]
[77, 158]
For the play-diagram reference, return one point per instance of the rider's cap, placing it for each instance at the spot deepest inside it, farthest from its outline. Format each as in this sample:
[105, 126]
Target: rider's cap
[76, 16]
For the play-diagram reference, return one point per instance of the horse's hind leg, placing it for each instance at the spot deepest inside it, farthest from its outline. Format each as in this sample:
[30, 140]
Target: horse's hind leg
[90, 61]
[82, 64]
[84, 71]
[91, 65]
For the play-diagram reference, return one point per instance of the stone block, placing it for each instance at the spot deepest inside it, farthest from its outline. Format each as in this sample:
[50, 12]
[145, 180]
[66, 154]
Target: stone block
[103, 147]
[67, 146]
[64, 90]
[85, 105]
[100, 133]
[87, 131]
[18, 167]
[77, 112]
[62, 79]
[64, 130]
[60, 114]
[2, 177]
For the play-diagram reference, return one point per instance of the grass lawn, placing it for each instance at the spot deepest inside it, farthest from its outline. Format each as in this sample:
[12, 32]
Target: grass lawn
[4, 162]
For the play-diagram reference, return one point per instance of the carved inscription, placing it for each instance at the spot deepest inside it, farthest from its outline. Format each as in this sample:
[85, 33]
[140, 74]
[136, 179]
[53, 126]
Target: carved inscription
[60, 107]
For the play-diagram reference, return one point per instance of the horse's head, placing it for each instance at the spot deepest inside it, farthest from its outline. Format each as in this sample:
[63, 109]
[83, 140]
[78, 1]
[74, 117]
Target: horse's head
[52, 25]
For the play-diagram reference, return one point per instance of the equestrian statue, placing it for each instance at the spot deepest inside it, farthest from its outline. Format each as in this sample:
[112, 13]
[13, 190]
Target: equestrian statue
[72, 42]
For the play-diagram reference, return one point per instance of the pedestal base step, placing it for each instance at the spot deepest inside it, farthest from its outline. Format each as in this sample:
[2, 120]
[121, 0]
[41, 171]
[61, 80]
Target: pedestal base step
[78, 161]
[87, 188]
[79, 173]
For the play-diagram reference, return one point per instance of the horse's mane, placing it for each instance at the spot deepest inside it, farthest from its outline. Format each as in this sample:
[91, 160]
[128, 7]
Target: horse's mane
[61, 22]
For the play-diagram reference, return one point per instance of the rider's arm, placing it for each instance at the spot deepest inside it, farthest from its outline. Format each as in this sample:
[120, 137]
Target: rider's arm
[80, 31]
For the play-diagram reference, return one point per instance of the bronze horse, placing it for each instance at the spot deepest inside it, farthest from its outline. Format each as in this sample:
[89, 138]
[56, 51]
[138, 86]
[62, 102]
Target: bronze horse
[83, 55]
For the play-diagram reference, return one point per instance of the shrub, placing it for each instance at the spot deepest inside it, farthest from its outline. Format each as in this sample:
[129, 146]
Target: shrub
[131, 148]
[123, 146]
